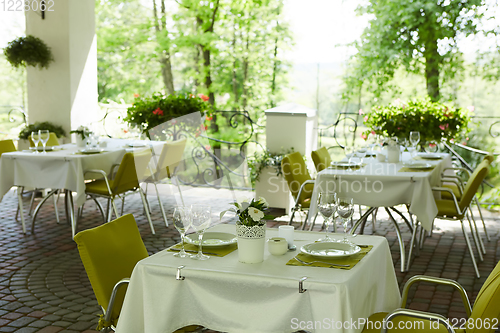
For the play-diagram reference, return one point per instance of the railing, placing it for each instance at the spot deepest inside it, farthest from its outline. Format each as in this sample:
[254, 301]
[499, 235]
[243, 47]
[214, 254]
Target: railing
[16, 117]
[210, 159]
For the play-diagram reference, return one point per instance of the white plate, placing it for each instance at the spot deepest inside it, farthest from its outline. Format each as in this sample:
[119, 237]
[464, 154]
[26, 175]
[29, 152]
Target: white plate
[417, 165]
[136, 144]
[212, 239]
[431, 156]
[330, 249]
[48, 148]
[90, 151]
[344, 165]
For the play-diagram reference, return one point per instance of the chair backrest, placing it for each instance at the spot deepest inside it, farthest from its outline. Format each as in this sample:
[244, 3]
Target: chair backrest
[170, 157]
[109, 253]
[321, 159]
[490, 158]
[127, 176]
[7, 146]
[473, 184]
[296, 173]
[53, 141]
[486, 305]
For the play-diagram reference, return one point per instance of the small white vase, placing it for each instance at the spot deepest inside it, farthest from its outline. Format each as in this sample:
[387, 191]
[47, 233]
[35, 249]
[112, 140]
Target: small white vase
[393, 153]
[80, 142]
[251, 243]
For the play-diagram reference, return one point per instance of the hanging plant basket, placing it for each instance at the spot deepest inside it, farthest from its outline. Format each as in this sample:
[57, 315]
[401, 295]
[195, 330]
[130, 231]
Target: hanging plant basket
[28, 51]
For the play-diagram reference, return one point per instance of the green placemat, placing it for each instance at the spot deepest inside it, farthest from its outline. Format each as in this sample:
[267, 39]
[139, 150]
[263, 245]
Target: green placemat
[324, 262]
[409, 169]
[219, 251]
[346, 167]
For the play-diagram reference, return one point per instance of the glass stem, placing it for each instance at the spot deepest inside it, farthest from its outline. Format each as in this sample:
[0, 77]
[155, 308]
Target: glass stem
[200, 237]
[182, 240]
[44, 143]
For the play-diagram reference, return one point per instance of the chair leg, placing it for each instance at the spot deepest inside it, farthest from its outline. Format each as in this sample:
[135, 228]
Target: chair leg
[161, 205]
[313, 222]
[291, 217]
[20, 203]
[482, 219]
[178, 188]
[475, 238]
[471, 252]
[54, 197]
[147, 211]
[101, 209]
[123, 204]
[476, 230]
[413, 243]
[305, 221]
[400, 240]
[32, 201]
[374, 220]
[114, 207]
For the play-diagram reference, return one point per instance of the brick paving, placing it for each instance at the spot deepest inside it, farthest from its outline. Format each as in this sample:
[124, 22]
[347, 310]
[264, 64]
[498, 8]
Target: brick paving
[44, 287]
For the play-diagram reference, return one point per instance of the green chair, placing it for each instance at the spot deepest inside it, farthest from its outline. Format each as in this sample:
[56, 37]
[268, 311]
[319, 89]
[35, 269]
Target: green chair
[109, 254]
[456, 184]
[299, 182]
[456, 209]
[485, 309]
[7, 146]
[321, 159]
[165, 166]
[130, 173]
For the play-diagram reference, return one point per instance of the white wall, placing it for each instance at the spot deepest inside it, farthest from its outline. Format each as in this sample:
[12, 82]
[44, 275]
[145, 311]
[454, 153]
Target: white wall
[66, 92]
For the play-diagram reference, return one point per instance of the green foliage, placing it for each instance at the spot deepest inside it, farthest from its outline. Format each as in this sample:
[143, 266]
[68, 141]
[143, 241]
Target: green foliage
[149, 112]
[434, 121]
[407, 34]
[259, 161]
[46, 125]
[28, 51]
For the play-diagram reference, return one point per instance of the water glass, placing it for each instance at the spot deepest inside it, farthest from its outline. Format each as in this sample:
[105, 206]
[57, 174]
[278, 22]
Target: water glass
[200, 220]
[44, 136]
[414, 138]
[327, 205]
[349, 154]
[35, 137]
[431, 147]
[345, 209]
[182, 222]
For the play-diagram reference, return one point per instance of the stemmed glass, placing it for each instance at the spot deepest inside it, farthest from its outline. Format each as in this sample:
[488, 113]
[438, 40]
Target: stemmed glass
[345, 209]
[349, 152]
[182, 222]
[431, 147]
[327, 205]
[360, 153]
[414, 138]
[44, 137]
[200, 221]
[35, 137]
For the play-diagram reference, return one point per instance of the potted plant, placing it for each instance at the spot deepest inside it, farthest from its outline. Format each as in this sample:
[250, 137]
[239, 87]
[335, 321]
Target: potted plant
[267, 178]
[250, 229]
[149, 112]
[28, 51]
[435, 121]
[81, 134]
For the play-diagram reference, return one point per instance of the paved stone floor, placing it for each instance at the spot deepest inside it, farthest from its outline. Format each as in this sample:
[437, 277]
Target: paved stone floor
[44, 287]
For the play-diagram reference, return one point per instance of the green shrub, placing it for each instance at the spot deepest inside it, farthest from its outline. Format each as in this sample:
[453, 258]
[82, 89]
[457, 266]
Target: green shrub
[28, 51]
[26, 132]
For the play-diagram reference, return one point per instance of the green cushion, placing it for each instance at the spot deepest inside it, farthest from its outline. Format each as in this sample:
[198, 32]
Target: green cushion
[296, 173]
[446, 208]
[455, 189]
[98, 187]
[7, 146]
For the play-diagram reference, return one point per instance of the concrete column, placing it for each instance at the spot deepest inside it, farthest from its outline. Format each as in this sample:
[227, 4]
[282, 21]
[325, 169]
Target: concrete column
[66, 92]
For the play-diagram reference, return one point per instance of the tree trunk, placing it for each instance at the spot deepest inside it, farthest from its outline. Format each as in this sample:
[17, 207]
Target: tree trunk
[164, 58]
[432, 62]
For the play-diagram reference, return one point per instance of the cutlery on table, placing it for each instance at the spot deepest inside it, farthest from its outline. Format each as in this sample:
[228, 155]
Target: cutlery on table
[320, 262]
[193, 251]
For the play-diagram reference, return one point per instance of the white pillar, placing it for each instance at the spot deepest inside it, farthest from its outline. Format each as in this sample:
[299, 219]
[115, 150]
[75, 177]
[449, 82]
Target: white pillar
[66, 92]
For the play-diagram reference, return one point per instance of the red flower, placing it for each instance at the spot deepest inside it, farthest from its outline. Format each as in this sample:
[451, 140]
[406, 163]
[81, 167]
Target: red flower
[136, 95]
[373, 132]
[360, 112]
[364, 136]
[125, 131]
[158, 112]
[444, 127]
[209, 118]
[365, 118]
[207, 147]
[203, 97]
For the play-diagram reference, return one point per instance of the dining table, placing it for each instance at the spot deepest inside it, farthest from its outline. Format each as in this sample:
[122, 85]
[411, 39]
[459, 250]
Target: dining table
[374, 183]
[167, 293]
[63, 168]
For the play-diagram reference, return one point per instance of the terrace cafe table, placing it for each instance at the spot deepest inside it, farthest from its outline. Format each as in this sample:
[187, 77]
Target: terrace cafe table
[59, 169]
[382, 184]
[225, 295]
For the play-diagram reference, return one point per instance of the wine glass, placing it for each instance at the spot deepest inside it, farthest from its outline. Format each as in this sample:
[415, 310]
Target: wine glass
[182, 222]
[327, 205]
[349, 153]
[35, 137]
[360, 153]
[200, 220]
[431, 147]
[44, 137]
[345, 209]
[414, 138]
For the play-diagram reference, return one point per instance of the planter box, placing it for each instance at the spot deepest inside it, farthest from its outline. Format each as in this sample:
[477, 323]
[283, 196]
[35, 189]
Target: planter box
[274, 189]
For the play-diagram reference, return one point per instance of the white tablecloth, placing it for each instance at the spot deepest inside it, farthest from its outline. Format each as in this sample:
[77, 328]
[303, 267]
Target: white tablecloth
[382, 185]
[224, 294]
[62, 169]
